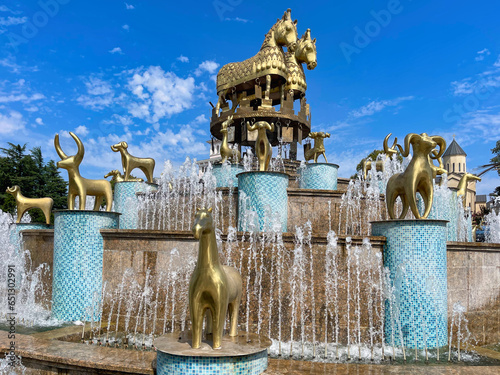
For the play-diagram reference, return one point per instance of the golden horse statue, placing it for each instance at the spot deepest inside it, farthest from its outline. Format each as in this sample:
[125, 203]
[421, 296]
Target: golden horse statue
[119, 177]
[418, 176]
[213, 287]
[319, 147]
[23, 203]
[227, 152]
[263, 147]
[379, 164]
[129, 162]
[462, 185]
[79, 186]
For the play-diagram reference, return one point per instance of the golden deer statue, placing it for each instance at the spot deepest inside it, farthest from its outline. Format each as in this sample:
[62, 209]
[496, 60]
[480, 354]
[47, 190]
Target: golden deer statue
[213, 287]
[380, 164]
[263, 147]
[118, 177]
[319, 147]
[24, 204]
[462, 185]
[79, 186]
[227, 152]
[418, 176]
[129, 162]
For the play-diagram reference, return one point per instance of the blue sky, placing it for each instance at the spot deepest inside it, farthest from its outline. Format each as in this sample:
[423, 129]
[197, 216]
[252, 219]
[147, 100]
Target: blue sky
[143, 72]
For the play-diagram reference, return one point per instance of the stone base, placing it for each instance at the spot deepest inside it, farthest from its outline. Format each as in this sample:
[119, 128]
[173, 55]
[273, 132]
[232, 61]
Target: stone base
[17, 228]
[225, 175]
[243, 354]
[318, 176]
[262, 201]
[125, 201]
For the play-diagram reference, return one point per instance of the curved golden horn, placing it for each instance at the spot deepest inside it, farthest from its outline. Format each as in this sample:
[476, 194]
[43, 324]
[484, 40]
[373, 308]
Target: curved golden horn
[11, 189]
[386, 148]
[408, 139]
[59, 150]
[441, 143]
[81, 149]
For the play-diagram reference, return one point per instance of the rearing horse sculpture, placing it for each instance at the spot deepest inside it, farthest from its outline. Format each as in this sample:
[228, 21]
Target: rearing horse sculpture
[418, 176]
[213, 287]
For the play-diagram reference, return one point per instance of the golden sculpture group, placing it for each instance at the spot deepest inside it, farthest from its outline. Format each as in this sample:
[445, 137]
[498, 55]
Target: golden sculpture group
[129, 162]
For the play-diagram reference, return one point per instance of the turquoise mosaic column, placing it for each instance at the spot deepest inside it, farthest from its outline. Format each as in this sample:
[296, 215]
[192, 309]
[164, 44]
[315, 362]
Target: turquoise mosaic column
[262, 201]
[225, 174]
[415, 254]
[319, 176]
[17, 228]
[78, 254]
[126, 203]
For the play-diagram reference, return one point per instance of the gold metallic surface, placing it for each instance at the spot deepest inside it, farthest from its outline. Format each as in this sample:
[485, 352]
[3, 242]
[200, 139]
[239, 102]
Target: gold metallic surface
[263, 148]
[418, 176]
[379, 164]
[119, 177]
[319, 147]
[462, 185]
[129, 162]
[475, 227]
[304, 52]
[79, 186]
[227, 152]
[23, 204]
[213, 287]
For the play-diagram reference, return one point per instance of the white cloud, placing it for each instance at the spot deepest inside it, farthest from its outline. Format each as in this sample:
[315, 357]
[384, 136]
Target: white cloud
[11, 123]
[183, 59]
[377, 106]
[39, 121]
[4, 8]
[11, 21]
[497, 63]
[160, 94]
[129, 6]
[200, 119]
[8, 62]
[209, 66]
[20, 98]
[482, 54]
[237, 19]
[484, 81]
[116, 50]
[99, 95]
[82, 130]
[126, 27]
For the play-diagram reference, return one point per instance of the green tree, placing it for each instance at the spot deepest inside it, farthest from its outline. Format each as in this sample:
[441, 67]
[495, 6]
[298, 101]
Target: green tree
[373, 156]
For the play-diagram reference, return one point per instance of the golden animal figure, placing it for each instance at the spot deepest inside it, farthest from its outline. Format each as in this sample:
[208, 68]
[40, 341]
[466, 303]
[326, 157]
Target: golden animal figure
[213, 287]
[227, 152]
[462, 185]
[475, 227]
[79, 186]
[319, 147]
[129, 162]
[23, 204]
[379, 164]
[263, 147]
[436, 171]
[304, 52]
[418, 176]
[118, 177]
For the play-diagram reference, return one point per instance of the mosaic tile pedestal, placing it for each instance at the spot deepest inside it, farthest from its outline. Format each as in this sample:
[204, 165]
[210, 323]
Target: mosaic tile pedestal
[245, 354]
[318, 176]
[415, 254]
[77, 270]
[17, 228]
[225, 174]
[262, 201]
[125, 201]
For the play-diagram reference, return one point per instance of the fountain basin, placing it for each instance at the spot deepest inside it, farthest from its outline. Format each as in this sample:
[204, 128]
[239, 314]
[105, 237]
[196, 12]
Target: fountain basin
[318, 176]
[242, 354]
[225, 174]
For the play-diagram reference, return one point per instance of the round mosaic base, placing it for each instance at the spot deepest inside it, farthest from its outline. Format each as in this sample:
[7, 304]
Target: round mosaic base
[245, 354]
[318, 176]
[262, 201]
[125, 201]
[78, 254]
[225, 174]
[16, 229]
[415, 254]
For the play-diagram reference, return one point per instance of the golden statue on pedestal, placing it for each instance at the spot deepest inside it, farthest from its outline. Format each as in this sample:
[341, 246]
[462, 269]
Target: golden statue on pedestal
[79, 186]
[129, 162]
[213, 287]
[119, 177]
[379, 164]
[263, 147]
[319, 147]
[462, 185]
[227, 152]
[23, 204]
[418, 176]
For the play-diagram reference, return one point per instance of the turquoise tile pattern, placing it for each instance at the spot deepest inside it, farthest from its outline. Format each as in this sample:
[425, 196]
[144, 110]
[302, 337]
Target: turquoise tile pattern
[225, 175]
[444, 208]
[125, 201]
[319, 176]
[16, 229]
[78, 255]
[262, 195]
[253, 364]
[415, 254]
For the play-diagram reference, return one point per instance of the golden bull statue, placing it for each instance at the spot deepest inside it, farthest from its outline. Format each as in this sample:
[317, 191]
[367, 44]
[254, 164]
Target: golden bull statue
[213, 287]
[79, 186]
[24, 204]
[263, 147]
[418, 176]
[129, 162]
[319, 147]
